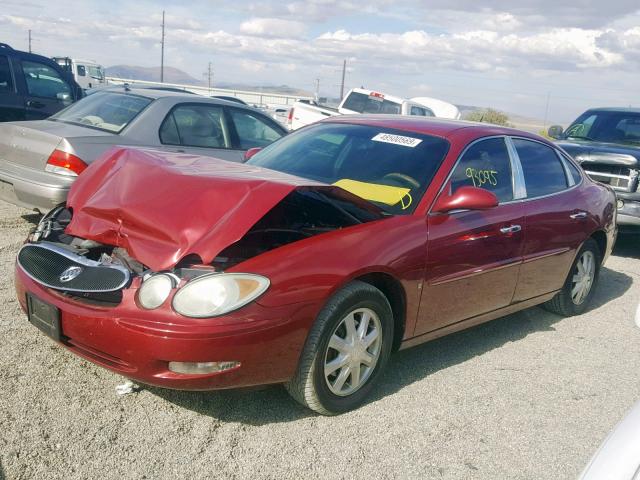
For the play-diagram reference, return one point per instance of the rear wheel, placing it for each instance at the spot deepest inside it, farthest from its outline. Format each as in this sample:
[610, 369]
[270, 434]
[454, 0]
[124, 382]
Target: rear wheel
[346, 351]
[578, 289]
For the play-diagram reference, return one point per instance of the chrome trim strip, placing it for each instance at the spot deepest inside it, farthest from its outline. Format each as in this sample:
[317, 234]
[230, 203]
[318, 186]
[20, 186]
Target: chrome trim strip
[75, 258]
[519, 186]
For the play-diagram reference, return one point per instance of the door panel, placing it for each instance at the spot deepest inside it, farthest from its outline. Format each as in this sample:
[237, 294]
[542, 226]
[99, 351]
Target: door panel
[554, 231]
[472, 267]
[473, 260]
[46, 91]
[552, 240]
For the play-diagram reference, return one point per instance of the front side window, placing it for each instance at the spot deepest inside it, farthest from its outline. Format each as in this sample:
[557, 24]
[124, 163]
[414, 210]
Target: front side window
[110, 112]
[390, 168]
[44, 81]
[252, 131]
[486, 165]
[361, 103]
[6, 80]
[543, 171]
[195, 126]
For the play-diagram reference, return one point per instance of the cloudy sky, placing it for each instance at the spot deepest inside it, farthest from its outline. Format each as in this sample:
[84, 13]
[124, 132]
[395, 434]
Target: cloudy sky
[503, 54]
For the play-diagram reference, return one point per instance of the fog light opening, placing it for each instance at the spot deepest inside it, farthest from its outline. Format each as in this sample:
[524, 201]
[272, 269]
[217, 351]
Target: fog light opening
[620, 204]
[201, 368]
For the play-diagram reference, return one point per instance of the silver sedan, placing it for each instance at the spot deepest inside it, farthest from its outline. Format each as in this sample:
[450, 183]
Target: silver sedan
[39, 160]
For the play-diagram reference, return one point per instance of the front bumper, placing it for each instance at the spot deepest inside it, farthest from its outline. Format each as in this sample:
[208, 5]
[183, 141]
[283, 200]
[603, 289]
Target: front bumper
[629, 211]
[139, 344]
[33, 190]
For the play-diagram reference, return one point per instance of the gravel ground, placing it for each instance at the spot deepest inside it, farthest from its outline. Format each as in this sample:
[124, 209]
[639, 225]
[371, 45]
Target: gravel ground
[527, 396]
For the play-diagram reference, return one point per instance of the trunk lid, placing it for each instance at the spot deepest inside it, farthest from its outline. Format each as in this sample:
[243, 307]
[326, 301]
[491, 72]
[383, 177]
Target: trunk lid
[30, 144]
[163, 206]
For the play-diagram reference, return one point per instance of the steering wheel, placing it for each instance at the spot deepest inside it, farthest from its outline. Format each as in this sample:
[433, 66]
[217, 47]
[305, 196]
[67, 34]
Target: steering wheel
[401, 177]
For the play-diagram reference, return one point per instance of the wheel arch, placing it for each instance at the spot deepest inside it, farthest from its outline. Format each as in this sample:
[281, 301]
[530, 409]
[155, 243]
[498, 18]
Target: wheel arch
[393, 290]
[600, 238]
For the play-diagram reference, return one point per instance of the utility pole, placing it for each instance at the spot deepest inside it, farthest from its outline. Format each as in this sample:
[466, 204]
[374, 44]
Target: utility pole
[546, 111]
[209, 75]
[317, 90]
[162, 52]
[344, 70]
[29, 40]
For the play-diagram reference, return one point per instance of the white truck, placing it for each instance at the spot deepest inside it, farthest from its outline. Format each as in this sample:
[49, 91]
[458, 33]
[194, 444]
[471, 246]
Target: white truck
[359, 100]
[87, 73]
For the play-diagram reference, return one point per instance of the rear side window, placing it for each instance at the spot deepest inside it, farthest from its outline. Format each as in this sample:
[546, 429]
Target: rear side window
[195, 126]
[422, 112]
[6, 80]
[44, 81]
[542, 169]
[485, 164]
[252, 130]
[575, 173]
[361, 103]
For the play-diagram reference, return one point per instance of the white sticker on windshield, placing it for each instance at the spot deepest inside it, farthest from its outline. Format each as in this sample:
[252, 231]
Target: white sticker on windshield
[397, 140]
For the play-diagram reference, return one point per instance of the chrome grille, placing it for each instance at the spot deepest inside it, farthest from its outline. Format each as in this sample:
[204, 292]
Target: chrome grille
[618, 177]
[46, 263]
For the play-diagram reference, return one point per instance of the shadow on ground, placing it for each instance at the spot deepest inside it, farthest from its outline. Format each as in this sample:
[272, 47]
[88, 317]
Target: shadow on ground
[627, 245]
[273, 405]
[2, 477]
[32, 218]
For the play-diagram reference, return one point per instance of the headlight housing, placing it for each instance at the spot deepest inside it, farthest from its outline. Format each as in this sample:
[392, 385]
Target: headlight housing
[155, 290]
[218, 293]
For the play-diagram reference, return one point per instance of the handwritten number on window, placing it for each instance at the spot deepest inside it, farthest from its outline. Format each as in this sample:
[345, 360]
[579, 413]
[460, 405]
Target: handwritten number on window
[481, 177]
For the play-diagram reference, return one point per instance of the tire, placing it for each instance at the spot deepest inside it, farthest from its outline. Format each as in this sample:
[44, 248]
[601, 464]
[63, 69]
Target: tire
[334, 394]
[564, 302]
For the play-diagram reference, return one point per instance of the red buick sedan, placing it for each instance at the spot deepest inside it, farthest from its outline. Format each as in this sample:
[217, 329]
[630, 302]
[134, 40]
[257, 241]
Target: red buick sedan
[314, 260]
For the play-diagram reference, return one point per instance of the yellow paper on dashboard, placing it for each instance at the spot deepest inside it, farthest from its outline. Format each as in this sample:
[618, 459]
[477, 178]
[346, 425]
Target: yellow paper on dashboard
[385, 194]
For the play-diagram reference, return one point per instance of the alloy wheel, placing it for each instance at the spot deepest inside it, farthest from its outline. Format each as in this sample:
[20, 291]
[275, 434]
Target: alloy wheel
[583, 276]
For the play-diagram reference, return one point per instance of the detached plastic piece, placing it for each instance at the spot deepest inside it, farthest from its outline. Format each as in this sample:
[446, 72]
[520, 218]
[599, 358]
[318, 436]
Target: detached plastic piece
[127, 388]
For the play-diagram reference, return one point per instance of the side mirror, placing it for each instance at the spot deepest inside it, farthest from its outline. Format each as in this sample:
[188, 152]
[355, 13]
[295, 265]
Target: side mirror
[251, 152]
[63, 97]
[466, 198]
[555, 131]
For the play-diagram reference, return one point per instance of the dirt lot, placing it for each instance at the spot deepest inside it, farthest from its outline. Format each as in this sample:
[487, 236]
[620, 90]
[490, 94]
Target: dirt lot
[528, 396]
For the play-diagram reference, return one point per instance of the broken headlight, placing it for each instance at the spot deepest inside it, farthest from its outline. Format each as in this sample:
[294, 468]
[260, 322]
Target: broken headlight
[218, 293]
[155, 290]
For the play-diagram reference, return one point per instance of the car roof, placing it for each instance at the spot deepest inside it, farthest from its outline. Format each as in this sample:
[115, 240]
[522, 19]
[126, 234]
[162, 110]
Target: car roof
[615, 109]
[438, 127]
[155, 94]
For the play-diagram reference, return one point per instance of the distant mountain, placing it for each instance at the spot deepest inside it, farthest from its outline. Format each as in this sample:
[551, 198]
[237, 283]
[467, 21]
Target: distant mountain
[152, 74]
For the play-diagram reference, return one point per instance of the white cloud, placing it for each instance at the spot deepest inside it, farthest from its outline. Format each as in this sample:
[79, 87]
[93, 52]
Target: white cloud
[273, 27]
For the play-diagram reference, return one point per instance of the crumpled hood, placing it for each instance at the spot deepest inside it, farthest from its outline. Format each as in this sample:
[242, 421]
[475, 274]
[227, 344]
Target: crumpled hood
[600, 152]
[162, 206]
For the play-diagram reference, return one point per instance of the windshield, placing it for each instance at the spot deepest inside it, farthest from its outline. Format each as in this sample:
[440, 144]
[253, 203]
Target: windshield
[110, 111]
[361, 103]
[391, 168]
[605, 126]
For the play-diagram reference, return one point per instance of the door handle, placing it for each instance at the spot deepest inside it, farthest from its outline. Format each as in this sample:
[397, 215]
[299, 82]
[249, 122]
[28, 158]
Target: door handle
[511, 229]
[578, 216]
[35, 104]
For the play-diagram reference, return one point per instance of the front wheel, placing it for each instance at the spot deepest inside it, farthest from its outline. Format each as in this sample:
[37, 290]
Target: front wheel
[579, 287]
[346, 351]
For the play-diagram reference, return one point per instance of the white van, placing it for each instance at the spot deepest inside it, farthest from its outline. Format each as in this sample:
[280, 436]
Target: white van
[87, 73]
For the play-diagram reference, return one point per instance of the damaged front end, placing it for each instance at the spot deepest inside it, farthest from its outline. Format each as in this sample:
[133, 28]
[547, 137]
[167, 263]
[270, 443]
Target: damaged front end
[175, 231]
